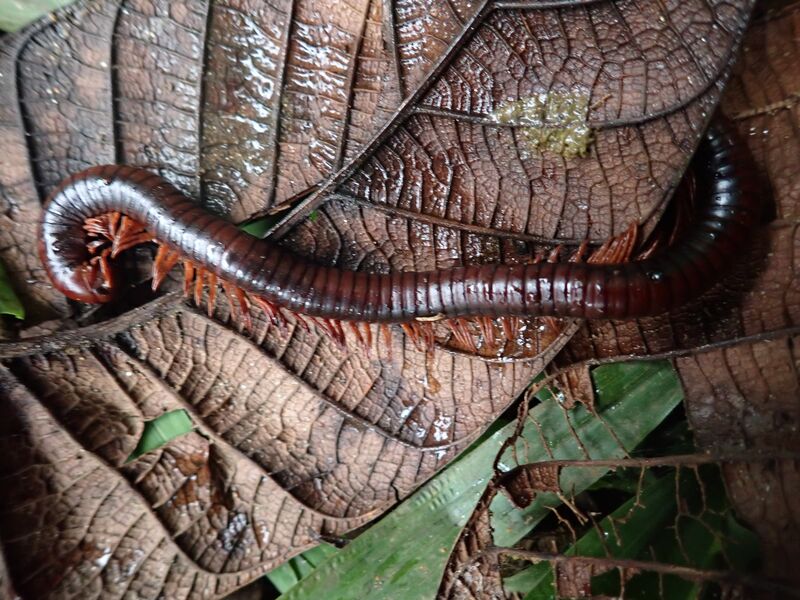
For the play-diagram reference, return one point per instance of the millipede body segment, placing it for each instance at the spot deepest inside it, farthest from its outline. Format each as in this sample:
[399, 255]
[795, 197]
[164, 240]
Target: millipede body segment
[128, 205]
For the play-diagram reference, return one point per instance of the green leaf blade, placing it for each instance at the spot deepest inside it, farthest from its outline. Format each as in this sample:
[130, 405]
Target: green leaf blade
[625, 533]
[15, 14]
[161, 430]
[633, 399]
[295, 569]
[10, 303]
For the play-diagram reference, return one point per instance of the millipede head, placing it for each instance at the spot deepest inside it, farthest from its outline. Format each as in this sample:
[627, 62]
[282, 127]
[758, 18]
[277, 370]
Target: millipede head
[90, 282]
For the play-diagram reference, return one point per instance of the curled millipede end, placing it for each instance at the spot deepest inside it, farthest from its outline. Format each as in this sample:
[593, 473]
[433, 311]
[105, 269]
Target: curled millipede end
[80, 268]
[91, 282]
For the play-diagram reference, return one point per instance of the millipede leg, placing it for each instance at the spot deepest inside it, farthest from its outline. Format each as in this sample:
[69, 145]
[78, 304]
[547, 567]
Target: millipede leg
[618, 249]
[105, 269]
[510, 327]
[337, 332]
[460, 330]
[244, 308]
[367, 335]
[386, 332]
[357, 332]
[104, 225]
[486, 325]
[428, 335]
[130, 233]
[282, 320]
[275, 314]
[578, 255]
[198, 286]
[95, 246]
[421, 334]
[228, 289]
[212, 293]
[408, 329]
[188, 277]
[165, 260]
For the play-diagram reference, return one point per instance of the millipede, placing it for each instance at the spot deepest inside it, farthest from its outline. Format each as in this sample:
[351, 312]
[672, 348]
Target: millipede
[99, 212]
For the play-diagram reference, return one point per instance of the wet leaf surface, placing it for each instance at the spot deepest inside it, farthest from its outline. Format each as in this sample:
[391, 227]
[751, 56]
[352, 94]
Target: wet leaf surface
[760, 299]
[418, 137]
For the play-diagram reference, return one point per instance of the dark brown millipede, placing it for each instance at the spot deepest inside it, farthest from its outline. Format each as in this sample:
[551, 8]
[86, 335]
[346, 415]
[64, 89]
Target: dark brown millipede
[129, 205]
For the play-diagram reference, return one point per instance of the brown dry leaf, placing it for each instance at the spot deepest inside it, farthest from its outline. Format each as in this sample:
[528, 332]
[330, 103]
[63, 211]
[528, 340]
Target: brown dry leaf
[736, 350]
[524, 485]
[747, 399]
[473, 571]
[293, 440]
[761, 299]
[408, 128]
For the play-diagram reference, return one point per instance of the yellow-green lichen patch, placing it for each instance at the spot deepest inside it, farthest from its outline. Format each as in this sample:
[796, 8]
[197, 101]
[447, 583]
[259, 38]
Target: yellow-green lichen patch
[554, 122]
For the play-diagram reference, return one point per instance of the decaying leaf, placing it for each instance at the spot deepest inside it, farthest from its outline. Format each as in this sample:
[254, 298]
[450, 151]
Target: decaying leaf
[605, 562]
[747, 399]
[736, 350]
[523, 485]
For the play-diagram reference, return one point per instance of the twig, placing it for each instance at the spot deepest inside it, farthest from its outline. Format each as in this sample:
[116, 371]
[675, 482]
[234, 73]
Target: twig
[689, 573]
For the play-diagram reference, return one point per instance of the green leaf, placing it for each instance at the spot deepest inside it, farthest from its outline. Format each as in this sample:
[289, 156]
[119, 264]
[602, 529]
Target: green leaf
[622, 480]
[626, 533]
[259, 227]
[741, 546]
[295, 569]
[15, 14]
[632, 400]
[705, 535]
[161, 430]
[9, 302]
[404, 554]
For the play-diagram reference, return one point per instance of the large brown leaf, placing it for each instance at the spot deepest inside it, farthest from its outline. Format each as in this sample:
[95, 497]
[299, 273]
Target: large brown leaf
[736, 351]
[746, 396]
[762, 298]
[384, 119]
